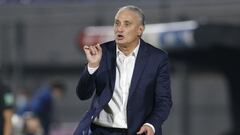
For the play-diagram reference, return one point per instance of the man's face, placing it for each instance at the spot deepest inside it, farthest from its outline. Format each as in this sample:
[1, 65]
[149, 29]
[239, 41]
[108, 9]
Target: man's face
[127, 28]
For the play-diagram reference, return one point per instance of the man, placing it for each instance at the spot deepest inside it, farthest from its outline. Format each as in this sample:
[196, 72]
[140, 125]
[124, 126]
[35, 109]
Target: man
[42, 106]
[6, 110]
[130, 79]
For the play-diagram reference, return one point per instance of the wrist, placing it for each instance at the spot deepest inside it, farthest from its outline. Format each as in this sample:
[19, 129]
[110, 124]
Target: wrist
[151, 126]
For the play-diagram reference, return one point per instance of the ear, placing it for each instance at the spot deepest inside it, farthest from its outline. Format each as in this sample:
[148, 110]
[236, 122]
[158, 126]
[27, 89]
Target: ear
[140, 30]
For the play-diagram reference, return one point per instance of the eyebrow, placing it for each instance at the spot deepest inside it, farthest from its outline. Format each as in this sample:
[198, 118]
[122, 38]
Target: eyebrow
[125, 21]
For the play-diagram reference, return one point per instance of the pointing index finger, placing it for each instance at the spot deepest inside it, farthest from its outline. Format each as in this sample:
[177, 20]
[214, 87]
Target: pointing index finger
[98, 47]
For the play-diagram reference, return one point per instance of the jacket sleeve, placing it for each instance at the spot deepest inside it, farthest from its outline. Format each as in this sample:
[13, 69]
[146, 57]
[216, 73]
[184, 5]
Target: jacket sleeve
[86, 85]
[163, 101]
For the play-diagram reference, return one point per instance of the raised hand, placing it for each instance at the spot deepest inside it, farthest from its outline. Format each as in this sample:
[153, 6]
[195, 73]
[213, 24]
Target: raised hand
[93, 54]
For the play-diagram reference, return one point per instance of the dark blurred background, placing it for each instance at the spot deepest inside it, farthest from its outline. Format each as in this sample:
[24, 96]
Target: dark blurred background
[40, 40]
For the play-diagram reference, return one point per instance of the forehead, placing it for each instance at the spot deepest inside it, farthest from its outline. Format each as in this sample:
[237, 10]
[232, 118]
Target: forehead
[126, 15]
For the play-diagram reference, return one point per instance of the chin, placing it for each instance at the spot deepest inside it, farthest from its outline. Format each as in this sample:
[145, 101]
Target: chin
[120, 42]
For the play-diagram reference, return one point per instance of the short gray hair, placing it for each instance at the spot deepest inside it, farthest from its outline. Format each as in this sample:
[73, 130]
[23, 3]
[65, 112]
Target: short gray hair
[136, 10]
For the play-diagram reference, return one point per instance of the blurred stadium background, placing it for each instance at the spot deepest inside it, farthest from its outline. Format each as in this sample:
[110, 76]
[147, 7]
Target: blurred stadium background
[41, 40]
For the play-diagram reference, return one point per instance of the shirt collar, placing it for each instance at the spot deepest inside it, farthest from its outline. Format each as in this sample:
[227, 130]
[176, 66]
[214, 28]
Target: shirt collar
[133, 53]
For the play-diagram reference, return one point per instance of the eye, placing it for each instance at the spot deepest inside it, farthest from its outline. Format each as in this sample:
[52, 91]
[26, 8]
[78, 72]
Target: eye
[127, 24]
[117, 23]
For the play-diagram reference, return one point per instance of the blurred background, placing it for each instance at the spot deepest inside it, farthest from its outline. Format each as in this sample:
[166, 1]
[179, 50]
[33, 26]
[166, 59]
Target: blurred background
[41, 40]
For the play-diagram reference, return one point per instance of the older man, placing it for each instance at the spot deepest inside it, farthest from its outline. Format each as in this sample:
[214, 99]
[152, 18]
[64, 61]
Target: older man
[130, 79]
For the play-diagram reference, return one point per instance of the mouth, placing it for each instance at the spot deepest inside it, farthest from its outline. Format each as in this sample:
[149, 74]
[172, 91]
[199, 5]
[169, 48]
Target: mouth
[120, 37]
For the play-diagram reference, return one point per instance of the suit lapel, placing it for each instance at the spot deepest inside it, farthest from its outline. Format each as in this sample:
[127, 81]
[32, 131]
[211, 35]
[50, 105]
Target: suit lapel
[112, 64]
[139, 67]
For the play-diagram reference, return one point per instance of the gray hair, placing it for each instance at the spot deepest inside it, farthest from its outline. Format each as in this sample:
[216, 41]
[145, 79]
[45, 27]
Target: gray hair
[135, 9]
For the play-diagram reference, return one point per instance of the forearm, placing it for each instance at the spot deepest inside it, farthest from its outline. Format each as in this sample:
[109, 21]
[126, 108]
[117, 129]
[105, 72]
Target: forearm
[162, 99]
[86, 85]
[160, 113]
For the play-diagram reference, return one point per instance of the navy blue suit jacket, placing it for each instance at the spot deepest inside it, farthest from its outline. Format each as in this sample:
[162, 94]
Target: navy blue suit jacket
[149, 98]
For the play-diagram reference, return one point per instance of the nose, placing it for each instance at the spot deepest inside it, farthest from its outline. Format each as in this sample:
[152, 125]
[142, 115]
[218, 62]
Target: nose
[119, 28]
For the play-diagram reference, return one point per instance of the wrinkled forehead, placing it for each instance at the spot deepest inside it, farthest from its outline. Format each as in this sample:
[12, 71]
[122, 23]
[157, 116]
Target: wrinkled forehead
[127, 13]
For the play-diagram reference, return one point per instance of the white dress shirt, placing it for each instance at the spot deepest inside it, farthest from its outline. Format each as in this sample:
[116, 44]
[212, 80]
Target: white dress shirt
[115, 114]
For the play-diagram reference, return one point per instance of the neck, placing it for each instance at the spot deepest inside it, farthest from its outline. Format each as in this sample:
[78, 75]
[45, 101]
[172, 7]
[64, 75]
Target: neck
[127, 49]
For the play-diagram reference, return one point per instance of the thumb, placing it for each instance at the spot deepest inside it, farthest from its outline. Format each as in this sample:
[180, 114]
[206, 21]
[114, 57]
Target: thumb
[141, 131]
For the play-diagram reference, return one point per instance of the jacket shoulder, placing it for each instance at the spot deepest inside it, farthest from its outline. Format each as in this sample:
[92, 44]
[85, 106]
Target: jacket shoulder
[156, 51]
[108, 44]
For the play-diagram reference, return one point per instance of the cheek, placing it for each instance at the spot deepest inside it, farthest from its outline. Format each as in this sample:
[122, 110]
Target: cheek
[131, 32]
[114, 30]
